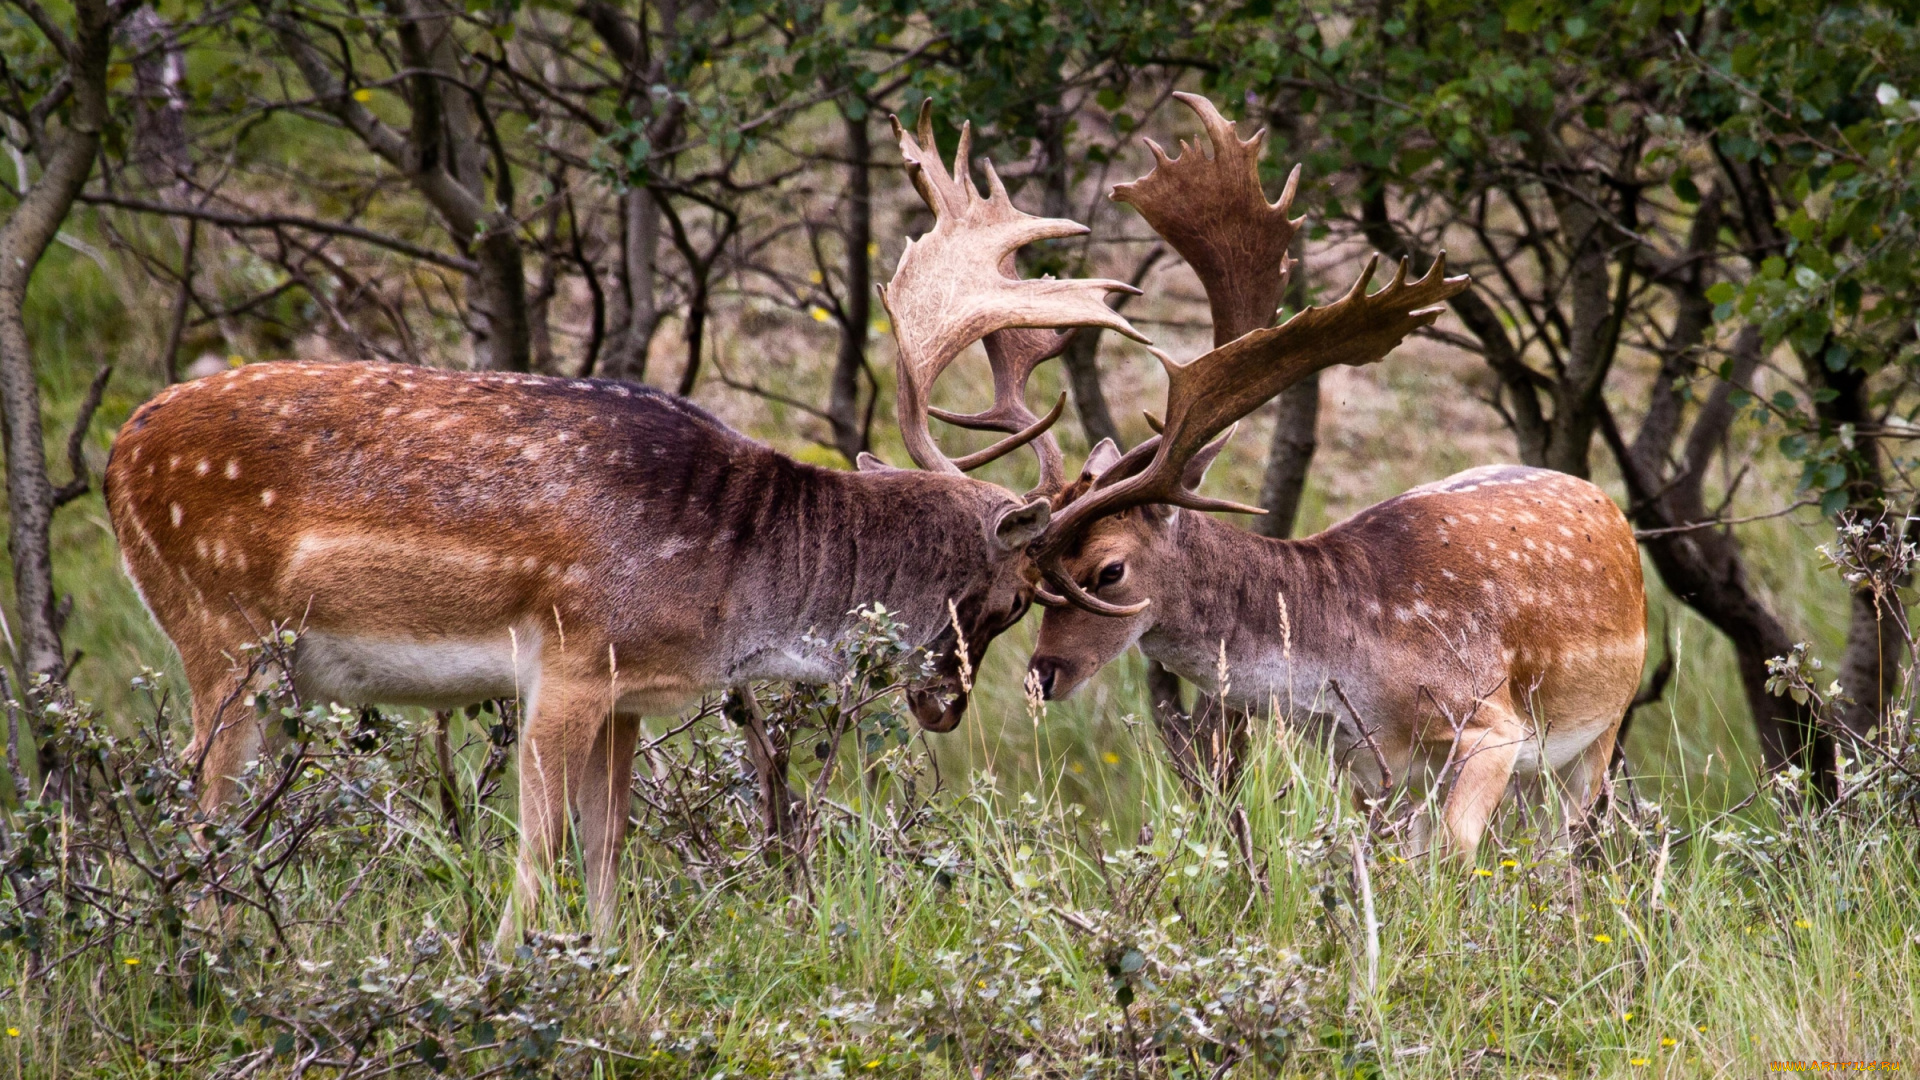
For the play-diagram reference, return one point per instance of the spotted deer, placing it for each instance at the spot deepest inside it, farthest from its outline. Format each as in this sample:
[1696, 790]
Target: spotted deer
[1485, 628]
[607, 551]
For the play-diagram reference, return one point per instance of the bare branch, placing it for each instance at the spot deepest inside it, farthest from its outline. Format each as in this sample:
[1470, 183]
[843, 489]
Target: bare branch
[284, 221]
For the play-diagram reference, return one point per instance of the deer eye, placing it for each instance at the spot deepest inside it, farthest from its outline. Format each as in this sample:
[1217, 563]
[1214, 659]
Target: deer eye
[1110, 574]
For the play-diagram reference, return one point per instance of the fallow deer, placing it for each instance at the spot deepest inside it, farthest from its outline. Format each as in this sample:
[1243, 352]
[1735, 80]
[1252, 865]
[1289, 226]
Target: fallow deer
[607, 551]
[602, 550]
[1487, 627]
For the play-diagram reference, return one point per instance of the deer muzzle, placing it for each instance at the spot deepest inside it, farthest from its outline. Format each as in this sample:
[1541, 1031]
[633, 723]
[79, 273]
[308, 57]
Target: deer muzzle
[938, 705]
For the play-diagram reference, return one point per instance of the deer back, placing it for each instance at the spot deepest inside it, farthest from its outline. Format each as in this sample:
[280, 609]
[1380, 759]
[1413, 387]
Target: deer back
[405, 502]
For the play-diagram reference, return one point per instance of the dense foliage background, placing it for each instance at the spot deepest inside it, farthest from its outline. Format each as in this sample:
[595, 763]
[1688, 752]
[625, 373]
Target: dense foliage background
[1692, 232]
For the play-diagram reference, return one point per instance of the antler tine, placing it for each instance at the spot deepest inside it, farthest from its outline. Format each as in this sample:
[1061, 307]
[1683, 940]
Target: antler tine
[1214, 213]
[1208, 395]
[950, 289]
[1013, 355]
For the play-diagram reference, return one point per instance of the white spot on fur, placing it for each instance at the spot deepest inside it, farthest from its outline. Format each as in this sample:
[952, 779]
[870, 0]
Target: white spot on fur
[266, 497]
[178, 515]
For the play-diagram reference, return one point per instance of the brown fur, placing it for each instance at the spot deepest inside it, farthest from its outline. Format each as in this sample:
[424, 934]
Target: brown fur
[1488, 625]
[604, 550]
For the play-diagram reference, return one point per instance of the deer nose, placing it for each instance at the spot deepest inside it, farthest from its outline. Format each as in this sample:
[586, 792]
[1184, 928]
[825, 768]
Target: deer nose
[1045, 669]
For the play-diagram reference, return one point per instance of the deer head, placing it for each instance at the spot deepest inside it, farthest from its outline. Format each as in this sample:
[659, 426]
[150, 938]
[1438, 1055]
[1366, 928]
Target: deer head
[1107, 547]
[954, 286]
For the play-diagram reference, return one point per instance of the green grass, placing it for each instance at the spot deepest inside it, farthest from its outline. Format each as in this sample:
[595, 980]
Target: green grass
[1504, 973]
[1653, 956]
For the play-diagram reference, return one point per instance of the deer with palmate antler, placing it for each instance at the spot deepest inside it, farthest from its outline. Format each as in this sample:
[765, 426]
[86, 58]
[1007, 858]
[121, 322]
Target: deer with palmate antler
[1487, 627]
[604, 551]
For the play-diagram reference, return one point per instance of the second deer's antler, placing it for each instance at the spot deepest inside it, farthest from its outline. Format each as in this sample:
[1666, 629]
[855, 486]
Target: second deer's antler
[1213, 212]
[954, 286]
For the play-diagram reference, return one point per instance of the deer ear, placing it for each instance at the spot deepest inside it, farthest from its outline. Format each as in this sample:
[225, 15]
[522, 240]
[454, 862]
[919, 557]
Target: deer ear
[1019, 524]
[1200, 462]
[865, 462]
[1101, 459]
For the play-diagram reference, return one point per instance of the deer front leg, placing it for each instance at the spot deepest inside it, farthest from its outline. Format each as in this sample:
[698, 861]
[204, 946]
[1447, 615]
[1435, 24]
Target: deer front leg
[601, 801]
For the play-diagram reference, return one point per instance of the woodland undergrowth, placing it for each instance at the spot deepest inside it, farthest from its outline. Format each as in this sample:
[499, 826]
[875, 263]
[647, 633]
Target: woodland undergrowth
[871, 916]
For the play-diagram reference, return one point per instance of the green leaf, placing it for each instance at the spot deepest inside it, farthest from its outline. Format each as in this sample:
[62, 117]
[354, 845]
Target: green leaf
[1722, 292]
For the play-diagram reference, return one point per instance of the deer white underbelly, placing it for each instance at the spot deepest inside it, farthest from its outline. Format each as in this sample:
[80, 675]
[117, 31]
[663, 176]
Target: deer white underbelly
[435, 673]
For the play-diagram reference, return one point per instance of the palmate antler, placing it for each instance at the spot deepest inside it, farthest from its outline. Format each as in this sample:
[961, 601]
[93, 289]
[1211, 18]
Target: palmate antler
[954, 286]
[1213, 212]
[1013, 354]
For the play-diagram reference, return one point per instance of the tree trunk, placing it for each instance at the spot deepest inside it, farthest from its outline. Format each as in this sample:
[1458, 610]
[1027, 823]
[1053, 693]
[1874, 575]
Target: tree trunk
[160, 107]
[1517, 380]
[442, 155]
[843, 400]
[1295, 431]
[637, 310]
[1870, 666]
[1289, 457]
[637, 313]
[696, 332]
[1083, 377]
[66, 161]
[1593, 334]
[1704, 567]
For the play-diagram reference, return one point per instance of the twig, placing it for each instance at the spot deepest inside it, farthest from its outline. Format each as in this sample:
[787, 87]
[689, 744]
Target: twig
[286, 221]
[1379, 758]
[1364, 882]
[77, 440]
[1642, 534]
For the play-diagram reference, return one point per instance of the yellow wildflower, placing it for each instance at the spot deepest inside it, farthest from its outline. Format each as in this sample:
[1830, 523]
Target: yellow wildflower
[131, 961]
[13, 1033]
[1626, 1016]
[1603, 939]
[1639, 1061]
[363, 95]
[1480, 871]
[1508, 863]
[1110, 758]
[1669, 1041]
[1803, 924]
[820, 314]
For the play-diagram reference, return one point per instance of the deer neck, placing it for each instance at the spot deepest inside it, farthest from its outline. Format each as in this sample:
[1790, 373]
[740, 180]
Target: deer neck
[1276, 616]
[839, 542]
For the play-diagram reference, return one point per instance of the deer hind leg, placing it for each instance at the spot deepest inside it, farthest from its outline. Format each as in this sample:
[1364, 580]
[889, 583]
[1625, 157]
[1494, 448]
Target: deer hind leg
[601, 801]
[1483, 757]
[1583, 779]
[226, 733]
